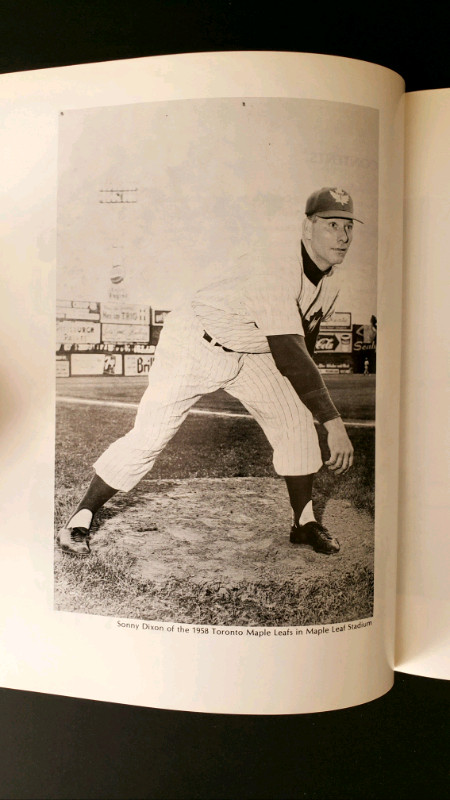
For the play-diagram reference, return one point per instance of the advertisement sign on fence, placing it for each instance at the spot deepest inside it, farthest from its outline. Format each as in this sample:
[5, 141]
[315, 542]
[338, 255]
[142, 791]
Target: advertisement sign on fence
[62, 367]
[125, 333]
[71, 331]
[138, 364]
[339, 321]
[96, 364]
[158, 316]
[125, 314]
[334, 342]
[77, 309]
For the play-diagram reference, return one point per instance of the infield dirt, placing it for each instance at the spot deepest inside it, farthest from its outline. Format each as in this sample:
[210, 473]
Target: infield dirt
[229, 530]
[214, 541]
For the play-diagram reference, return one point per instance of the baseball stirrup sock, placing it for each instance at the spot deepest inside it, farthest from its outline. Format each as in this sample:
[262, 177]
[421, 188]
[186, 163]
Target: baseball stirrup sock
[81, 519]
[307, 514]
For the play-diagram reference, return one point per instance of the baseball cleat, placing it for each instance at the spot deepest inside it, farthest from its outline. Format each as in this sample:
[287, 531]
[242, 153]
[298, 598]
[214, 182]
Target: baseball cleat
[74, 541]
[315, 535]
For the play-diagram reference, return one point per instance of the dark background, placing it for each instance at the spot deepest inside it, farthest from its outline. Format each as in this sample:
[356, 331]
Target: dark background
[46, 33]
[57, 747]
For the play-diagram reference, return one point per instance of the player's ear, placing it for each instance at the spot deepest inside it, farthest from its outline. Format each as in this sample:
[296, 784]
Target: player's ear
[307, 227]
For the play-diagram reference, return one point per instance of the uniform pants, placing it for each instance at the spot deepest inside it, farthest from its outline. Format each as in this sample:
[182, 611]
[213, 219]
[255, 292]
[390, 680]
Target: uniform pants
[186, 367]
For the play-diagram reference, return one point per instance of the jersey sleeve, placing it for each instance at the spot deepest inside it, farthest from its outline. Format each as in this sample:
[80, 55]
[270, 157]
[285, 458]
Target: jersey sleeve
[272, 301]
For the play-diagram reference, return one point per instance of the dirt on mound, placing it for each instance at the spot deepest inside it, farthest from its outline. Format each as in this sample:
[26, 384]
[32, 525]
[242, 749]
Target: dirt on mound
[228, 530]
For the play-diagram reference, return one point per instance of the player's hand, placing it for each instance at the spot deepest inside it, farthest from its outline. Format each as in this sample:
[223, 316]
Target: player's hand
[340, 447]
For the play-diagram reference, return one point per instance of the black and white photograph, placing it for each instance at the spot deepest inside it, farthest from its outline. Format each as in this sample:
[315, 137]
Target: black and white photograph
[216, 329]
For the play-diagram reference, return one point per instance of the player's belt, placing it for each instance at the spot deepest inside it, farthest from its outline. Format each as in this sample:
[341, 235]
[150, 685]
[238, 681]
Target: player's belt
[216, 344]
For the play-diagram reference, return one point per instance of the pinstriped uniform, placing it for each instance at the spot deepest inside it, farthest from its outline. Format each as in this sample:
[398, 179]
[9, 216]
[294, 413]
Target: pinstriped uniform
[239, 312]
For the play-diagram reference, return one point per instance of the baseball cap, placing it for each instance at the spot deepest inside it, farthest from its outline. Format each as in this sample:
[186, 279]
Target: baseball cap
[331, 202]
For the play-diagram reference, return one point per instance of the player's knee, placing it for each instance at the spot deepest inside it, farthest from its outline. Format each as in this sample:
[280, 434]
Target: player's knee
[297, 456]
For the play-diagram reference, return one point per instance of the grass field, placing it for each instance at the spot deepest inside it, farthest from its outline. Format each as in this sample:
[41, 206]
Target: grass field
[354, 395]
[204, 450]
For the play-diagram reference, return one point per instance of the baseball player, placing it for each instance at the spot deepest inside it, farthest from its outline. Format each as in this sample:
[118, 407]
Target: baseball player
[253, 334]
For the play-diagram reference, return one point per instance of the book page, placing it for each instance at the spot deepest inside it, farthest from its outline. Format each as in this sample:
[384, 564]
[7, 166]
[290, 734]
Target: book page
[129, 187]
[423, 640]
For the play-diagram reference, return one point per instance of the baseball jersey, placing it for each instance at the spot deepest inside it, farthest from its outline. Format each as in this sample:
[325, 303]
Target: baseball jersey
[245, 307]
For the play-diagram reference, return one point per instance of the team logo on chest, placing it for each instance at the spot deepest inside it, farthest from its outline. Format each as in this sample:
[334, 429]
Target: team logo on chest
[311, 323]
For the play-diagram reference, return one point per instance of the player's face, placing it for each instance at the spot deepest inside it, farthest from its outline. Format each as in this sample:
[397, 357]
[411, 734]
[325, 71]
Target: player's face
[330, 240]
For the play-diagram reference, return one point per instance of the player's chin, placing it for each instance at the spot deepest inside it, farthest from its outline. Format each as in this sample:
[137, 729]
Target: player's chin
[339, 255]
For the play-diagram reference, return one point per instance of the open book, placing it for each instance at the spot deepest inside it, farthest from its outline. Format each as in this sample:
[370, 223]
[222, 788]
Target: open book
[152, 213]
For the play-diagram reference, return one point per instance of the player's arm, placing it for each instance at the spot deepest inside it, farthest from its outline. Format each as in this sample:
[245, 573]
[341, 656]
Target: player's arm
[294, 362]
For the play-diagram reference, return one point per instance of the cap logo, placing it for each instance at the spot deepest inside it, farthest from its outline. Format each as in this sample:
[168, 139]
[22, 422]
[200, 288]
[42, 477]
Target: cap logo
[340, 196]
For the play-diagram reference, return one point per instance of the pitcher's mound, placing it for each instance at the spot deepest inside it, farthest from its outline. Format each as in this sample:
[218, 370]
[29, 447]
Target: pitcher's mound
[228, 530]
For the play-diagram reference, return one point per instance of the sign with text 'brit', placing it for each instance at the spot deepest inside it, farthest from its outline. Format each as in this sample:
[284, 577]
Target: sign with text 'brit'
[138, 365]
